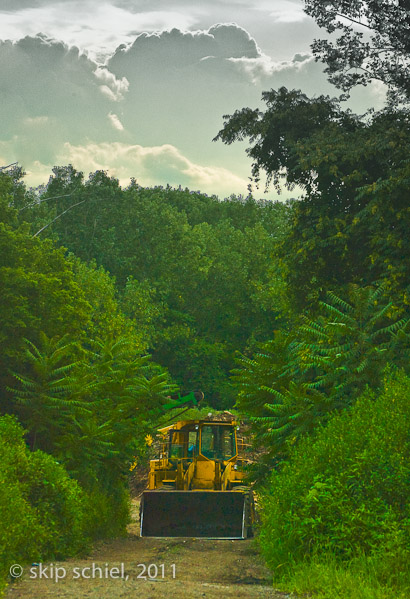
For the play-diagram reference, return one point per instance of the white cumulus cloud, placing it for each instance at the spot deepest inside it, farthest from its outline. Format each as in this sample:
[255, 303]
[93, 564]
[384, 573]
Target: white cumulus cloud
[264, 67]
[114, 88]
[115, 122]
[152, 110]
[89, 24]
[152, 166]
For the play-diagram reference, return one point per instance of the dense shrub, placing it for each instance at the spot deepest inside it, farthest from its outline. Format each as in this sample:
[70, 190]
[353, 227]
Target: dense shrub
[109, 511]
[42, 510]
[346, 491]
[60, 504]
[21, 533]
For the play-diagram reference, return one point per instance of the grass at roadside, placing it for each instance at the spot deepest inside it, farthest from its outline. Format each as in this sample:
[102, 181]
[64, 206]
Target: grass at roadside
[361, 578]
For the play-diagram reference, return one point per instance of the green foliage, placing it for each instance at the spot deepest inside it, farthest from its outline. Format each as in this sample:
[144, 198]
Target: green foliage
[342, 498]
[182, 275]
[380, 576]
[139, 302]
[354, 60]
[348, 346]
[295, 382]
[107, 318]
[60, 506]
[42, 510]
[345, 492]
[8, 215]
[351, 224]
[194, 276]
[108, 511]
[90, 403]
[92, 413]
[80, 395]
[129, 392]
[277, 135]
[48, 396]
[340, 502]
[352, 228]
[38, 293]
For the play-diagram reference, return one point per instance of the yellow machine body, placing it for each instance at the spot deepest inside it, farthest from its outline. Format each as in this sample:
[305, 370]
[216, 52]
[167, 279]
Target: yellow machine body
[196, 486]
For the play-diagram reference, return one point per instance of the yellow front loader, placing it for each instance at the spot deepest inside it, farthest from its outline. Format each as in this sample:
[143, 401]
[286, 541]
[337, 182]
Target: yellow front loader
[196, 486]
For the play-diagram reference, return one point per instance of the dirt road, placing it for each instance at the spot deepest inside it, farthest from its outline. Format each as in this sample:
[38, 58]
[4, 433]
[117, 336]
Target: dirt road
[144, 568]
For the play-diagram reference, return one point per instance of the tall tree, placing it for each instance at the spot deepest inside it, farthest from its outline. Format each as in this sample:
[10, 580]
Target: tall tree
[374, 43]
[47, 395]
[295, 381]
[350, 225]
[194, 275]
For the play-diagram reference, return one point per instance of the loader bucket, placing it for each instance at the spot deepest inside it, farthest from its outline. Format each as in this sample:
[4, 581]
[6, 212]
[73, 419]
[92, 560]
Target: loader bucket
[211, 514]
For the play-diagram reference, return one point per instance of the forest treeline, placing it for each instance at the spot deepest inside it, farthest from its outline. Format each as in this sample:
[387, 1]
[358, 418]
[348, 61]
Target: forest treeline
[195, 276]
[295, 313]
[112, 299]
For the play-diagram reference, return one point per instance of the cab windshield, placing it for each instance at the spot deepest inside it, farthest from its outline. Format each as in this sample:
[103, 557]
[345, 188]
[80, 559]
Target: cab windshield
[218, 442]
[183, 444]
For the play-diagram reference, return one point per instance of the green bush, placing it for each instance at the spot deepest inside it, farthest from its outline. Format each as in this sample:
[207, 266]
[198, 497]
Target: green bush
[108, 512]
[60, 504]
[346, 491]
[42, 510]
[21, 533]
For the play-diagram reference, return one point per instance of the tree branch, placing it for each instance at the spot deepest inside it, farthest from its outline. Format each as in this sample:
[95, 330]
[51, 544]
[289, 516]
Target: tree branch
[352, 20]
[3, 168]
[46, 200]
[54, 219]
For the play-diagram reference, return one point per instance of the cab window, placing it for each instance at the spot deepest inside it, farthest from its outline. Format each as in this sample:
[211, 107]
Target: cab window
[176, 448]
[192, 444]
[217, 442]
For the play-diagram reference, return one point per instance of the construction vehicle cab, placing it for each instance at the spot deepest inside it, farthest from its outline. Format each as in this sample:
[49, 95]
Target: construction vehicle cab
[196, 486]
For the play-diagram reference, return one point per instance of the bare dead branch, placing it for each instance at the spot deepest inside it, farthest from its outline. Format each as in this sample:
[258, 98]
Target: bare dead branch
[46, 200]
[58, 216]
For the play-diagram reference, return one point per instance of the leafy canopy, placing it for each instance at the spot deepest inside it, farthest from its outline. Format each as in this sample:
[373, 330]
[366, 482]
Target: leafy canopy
[374, 43]
[296, 381]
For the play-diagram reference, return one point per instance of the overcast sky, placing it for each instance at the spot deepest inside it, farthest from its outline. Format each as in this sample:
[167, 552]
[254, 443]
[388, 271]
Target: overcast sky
[139, 87]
